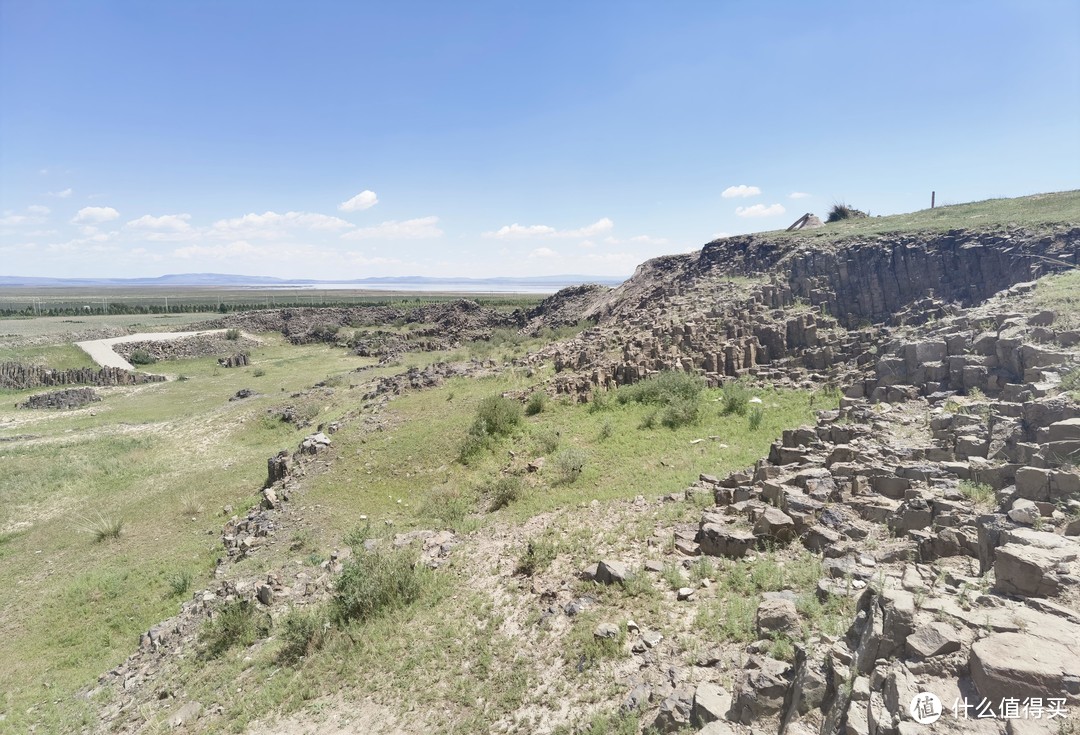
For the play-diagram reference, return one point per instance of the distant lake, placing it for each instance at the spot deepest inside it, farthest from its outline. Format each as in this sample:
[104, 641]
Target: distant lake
[501, 286]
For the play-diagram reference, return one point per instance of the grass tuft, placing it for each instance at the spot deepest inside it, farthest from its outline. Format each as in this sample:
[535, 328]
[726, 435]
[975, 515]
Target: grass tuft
[237, 623]
[377, 582]
[103, 528]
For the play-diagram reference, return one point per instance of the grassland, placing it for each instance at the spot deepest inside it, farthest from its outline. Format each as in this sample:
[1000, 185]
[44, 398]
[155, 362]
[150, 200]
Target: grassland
[1039, 209]
[161, 461]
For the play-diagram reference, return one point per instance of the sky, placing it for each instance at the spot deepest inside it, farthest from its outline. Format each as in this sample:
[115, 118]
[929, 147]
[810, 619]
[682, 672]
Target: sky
[339, 140]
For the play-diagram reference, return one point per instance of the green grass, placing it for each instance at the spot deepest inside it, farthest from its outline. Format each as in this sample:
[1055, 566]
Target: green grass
[979, 493]
[1039, 209]
[58, 357]
[1060, 293]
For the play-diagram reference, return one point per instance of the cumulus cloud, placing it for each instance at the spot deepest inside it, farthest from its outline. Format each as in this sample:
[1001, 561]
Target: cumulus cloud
[164, 228]
[740, 192]
[95, 214]
[364, 200]
[239, 248]
[515, 230]
[798, 195]
[64, 194]
[274, 224]
[543, 253]
[38, 209]
[410, 229]
[760, 210]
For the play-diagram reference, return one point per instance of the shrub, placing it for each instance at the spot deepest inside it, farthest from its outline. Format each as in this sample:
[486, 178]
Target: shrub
[568, 465]
[681, 412]
[736, 398]
[376, 582]
[503, 491]
[449, 504]
[755, 418]
[547, 441]
[607, 429]
[232, 334]
[663, 388]
[841, 211]
[536, 404]
[181, 377]
[258, 372]
[324, 332]
[237, 623]
[141, 357]
[303, 633]
[496, 417]
[538, 555]
[180, 583]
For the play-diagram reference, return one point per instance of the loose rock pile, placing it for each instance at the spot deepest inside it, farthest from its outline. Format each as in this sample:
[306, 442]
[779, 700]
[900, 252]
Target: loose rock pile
[63, 399]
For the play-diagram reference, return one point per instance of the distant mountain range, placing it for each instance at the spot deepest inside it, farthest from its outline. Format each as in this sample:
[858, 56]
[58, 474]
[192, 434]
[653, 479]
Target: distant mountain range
[226, 279]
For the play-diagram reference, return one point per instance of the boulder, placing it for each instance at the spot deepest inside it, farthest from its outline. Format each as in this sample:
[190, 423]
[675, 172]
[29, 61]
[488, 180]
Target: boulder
[711, 703]
[1025, 511]
[716, 539]
[1029, 571]
[1020, 665]
[759, 689]
[777, 615]
[933, 639]
[775, 524]
[611, 572]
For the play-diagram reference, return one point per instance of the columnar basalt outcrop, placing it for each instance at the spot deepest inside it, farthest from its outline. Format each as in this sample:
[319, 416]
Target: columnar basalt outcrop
[17, 376]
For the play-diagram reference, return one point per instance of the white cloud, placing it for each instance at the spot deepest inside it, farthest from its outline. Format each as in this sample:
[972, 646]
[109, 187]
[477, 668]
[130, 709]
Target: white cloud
[543, 253]
[720, 235]
[741, 191]
[164, 228]
[798, 195]
[36, 215]
[410, 229]
[235, 249]
[364, 200]
[62, 194]
[96, 214]
[760, 210]
[587, 244]
[38, 209]
[515, 230]
[273, 224]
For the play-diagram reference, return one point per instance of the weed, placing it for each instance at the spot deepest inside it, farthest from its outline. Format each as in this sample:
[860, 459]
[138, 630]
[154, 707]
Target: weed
[448, 503]
[755, 417]
[547, 440]
[182, 378]
[237, 623]
[103, 528]
[841, 211]
[536, 404]
[302, 540]
[232, 334]
[502, 492]
[303, 632]
[979, 493]
[568, 465]
[190, 506]
[180, 583]
[585, 650]
[607, 430]
[496, 416]
[258, 372]
[538, 555]
[735, 398]
[673, 576]
[378, 581]
[679, 395]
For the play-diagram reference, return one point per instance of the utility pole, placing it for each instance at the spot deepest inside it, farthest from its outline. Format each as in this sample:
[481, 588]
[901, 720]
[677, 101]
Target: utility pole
[933, 196]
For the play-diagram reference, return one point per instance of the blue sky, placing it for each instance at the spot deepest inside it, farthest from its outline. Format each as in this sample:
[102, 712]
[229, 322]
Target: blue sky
[352, 139]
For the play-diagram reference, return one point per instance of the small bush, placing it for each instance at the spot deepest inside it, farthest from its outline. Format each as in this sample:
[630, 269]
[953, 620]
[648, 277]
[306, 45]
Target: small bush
[325, 332]
[547, 441]
[568, 465]
[376, 582]
[496, 417]
[601, 401]
[538, 555]
[681, 412]
[232, 334]
[258, 372]
[180, 583]
[978, 493]
[141, 357]
[303, 632]
[181, 377]
[607, 429]
[663, 388]
[755, 417]
[237, 623]
[841, 211]
[736, 398]
[536, 404]
[502, 492]
[449, 504]
[190, 506]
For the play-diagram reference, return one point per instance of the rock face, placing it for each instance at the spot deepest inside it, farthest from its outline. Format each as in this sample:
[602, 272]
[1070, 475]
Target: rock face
[1017, 665]
[17, 376]
[64, 399]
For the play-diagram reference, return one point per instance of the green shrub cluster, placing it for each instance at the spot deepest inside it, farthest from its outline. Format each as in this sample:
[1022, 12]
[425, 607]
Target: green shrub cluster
[237, 623]
[496, 417]
[677, 396]
[736, 398]
[376, 582]
[503, 491]
[232, 334]
[536, 404]
[141, 357]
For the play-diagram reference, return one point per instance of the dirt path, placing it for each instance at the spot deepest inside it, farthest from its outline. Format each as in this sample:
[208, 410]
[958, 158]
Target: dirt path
[101, 350]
